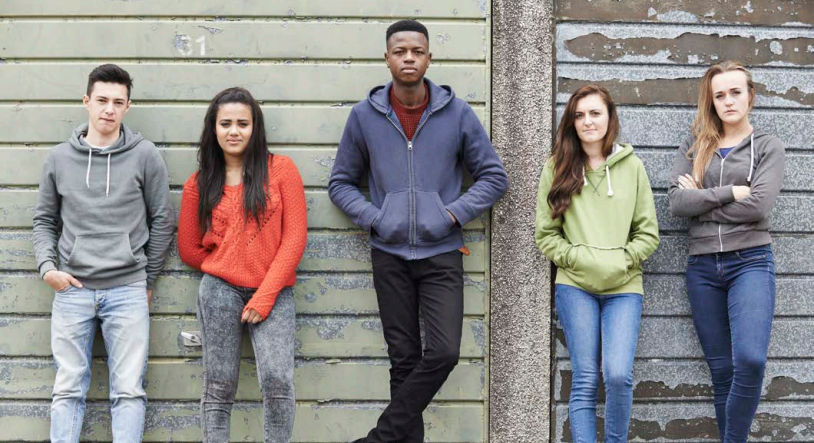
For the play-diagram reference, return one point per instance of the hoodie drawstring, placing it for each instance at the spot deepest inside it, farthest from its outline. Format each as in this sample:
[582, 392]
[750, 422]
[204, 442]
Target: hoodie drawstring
[87, 174]
[752, 160]
[607, 173]
[107, 187]
[584, 177]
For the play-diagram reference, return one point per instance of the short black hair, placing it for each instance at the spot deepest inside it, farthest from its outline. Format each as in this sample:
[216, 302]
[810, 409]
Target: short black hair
[110, 73]
[406, 25]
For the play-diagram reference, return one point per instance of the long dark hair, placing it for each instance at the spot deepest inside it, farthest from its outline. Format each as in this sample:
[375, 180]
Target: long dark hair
[569, 158]
[212, 166]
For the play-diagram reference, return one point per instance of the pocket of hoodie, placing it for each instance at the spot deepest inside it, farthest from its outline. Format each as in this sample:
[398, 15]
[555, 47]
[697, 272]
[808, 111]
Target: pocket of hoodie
[433, 222]
[598, 270]
[110, 250]
[393, 223]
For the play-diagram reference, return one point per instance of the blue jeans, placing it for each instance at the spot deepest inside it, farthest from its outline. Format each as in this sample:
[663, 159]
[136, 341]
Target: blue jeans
[732, 298]
[606, 326]
[125, 319]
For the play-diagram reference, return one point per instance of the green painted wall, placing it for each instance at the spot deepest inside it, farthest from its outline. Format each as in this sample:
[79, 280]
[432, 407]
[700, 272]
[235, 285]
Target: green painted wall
[307, 62]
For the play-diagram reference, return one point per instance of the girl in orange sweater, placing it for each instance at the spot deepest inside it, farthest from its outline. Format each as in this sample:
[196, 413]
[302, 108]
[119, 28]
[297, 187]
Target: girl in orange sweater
[243, 223]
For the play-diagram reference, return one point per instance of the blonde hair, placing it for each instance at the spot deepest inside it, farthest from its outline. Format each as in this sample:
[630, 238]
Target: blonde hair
[707, 126]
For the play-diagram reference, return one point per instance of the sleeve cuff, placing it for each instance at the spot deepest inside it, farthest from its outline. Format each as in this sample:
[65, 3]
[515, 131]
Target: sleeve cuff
[629, 259]
[459, 210]
[725, 194]
[366, 219]
[47, 266]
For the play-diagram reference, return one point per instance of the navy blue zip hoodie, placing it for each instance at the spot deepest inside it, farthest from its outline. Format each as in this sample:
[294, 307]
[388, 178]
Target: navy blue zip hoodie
[414, 183]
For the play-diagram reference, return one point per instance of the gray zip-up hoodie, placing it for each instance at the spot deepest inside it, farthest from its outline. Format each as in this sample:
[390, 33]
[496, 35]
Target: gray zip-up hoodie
[104, 215]
[718, 223]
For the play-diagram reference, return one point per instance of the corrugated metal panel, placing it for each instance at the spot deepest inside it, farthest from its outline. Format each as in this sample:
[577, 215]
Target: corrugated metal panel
[650, 55]
[307, 62]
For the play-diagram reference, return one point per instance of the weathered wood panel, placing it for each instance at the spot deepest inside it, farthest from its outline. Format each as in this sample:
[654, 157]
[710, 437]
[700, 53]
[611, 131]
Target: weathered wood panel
[350, 252]
[683, 44]
[176, 293]
[174, 379]
[660, 380]
[180, 55]
[290, 124]
[790, 212]
[675, 337]
[17, 210]
[317, 337]
[695, 422]
[769, 13]
[324, 252]
[330, 422]
[292, 9]
[678, 85]
[345, 81]
[232, 39]
[313, 163]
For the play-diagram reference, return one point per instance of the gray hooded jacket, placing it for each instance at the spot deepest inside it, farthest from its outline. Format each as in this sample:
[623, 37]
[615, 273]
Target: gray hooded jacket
[104, 215]
[718, 223]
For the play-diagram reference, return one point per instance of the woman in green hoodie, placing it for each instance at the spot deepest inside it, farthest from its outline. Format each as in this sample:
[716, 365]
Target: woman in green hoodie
[725, 178]
[596, 221]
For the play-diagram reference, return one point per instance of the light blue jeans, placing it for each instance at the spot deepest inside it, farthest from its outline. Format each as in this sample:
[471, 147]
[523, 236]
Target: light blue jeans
[125, 318]
[606, 327]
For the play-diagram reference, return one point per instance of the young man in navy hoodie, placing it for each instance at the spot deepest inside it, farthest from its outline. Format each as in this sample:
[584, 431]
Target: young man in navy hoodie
[102, 229]
[411, 139]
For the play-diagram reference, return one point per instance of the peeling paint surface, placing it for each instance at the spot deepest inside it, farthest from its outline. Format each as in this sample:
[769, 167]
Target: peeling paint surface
[650, 56]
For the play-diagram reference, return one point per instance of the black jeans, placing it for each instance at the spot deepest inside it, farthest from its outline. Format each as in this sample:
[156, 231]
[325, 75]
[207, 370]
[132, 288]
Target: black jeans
[434, 285]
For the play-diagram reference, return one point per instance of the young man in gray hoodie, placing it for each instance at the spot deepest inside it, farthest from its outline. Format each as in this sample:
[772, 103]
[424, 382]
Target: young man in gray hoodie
[102, 229]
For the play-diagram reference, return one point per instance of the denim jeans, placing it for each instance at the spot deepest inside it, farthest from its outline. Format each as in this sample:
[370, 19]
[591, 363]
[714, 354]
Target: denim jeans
[732, 295]
[125, 318]
[595, 326]
[220, 306]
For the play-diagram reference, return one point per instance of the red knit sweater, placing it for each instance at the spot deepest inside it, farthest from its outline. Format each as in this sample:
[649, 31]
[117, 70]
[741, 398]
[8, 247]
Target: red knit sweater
[263, 256]
[409, 117]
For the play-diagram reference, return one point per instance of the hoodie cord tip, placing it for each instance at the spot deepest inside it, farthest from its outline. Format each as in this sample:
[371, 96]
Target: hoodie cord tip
[607, 173]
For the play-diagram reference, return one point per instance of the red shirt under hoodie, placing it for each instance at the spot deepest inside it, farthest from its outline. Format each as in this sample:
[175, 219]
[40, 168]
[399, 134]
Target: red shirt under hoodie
[409, 117]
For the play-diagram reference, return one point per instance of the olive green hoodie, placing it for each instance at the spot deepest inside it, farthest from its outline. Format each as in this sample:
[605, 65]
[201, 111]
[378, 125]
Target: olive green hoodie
[608, 230]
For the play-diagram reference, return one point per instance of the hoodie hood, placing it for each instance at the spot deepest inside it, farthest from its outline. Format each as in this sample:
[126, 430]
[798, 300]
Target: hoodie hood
[127, 141]
[440, 96]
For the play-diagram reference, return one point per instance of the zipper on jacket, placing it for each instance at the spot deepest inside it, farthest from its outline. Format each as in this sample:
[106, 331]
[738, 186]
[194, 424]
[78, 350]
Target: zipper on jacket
[721, 183]
[412, 228]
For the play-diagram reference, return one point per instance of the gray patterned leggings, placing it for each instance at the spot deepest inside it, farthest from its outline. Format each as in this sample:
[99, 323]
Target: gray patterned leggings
[220, 305]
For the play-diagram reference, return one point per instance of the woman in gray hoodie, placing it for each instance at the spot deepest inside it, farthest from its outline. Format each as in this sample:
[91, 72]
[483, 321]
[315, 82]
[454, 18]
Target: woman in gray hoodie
[725, 178]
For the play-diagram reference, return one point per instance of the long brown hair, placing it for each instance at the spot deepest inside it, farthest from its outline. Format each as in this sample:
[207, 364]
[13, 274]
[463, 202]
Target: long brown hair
[707, 126]
[568, 156]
